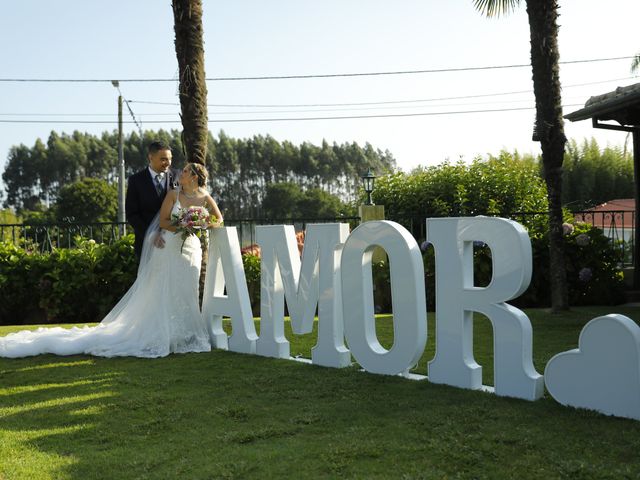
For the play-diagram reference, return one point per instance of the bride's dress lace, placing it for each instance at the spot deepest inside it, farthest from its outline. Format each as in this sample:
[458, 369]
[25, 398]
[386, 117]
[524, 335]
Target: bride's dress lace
[157, 316]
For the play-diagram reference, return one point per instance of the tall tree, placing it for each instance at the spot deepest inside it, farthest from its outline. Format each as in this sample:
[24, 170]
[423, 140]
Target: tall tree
[88, 200]
[549, 127]
[592, 176]
[239, 168]
[187, 15]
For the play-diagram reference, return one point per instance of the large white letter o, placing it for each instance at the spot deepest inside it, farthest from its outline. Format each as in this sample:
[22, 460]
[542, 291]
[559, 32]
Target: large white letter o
[408, 297]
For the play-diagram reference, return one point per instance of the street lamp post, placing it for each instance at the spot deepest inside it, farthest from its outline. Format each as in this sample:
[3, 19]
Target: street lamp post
[368, 182]
[370, 212]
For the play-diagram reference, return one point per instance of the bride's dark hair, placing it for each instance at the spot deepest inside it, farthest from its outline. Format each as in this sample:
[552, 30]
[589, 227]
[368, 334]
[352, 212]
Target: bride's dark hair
[201, 172]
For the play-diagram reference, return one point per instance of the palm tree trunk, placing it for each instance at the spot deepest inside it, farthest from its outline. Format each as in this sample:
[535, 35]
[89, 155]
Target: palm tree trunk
[543, 15]
[187, 16]
[557, 270]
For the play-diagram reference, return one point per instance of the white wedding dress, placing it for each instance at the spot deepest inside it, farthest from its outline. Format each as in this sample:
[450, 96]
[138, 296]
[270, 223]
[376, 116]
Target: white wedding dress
[159, 314]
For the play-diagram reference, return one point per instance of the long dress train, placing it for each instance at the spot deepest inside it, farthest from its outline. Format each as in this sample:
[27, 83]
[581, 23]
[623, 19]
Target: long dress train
[157, 316]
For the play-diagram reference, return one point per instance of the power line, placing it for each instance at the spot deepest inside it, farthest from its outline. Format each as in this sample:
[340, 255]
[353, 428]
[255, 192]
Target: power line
[83, 114]
[314, 105]
[387, 107]
[258, 112]
[409, 72]
[328, 75]
[284, 119]
[387, 102]
[261, 112]
[117, 85]
[356, 104]
[389, 115]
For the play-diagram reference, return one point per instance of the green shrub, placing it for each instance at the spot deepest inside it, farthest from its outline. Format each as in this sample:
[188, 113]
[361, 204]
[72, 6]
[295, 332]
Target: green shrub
[86, 282]
[381, 277]
[78, 285]
[501, 186]
[251, 262]
[498, 186]
[594, 274]
[83, 284]
[67, 285]
[20, 274]
[88, 200]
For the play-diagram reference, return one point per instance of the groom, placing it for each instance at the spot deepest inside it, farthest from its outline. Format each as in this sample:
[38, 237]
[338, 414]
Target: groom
[147, 189]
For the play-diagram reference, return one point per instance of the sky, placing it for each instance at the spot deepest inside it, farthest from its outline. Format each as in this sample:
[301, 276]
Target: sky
[132, 40]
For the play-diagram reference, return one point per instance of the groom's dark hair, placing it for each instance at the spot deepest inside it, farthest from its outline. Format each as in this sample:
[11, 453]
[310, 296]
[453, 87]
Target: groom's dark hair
[157, 146]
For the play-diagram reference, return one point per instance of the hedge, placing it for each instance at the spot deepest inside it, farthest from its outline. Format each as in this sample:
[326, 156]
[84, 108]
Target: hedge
[82, 284]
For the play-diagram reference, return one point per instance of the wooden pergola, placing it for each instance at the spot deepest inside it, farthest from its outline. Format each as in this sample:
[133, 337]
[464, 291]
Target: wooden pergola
[623, 107]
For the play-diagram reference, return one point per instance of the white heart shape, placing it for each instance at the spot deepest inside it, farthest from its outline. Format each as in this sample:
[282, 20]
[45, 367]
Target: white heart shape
[603, 373]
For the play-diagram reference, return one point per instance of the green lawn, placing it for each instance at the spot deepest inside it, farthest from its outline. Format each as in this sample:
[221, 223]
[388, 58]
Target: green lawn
[226, 415]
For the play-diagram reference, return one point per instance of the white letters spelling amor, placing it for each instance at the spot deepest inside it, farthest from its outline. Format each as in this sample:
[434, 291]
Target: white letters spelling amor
[334, 277]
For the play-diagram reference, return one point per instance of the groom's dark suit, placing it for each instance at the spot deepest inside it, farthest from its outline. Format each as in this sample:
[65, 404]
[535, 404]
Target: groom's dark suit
[143, 201]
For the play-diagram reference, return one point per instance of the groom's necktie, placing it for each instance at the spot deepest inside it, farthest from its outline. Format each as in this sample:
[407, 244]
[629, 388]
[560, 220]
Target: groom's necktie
[160, 183]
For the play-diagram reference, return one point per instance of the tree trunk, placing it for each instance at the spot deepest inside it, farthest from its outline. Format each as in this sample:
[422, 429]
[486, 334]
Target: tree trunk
[543, 16]
[187, 16]
[557, 270]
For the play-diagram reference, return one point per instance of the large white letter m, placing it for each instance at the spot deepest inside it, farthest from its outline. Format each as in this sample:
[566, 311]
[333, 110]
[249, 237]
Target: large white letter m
[311, 282]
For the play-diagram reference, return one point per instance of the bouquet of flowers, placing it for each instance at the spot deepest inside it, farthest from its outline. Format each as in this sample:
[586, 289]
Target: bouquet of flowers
[193, 221]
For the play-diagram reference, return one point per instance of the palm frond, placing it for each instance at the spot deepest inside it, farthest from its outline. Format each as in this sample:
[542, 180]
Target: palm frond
[495, 8]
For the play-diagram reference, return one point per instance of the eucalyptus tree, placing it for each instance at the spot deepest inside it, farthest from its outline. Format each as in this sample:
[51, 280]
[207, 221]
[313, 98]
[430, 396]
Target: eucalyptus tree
[549, 127]
[18, 177]
[272, 156]
[187, 15]
[226, 182]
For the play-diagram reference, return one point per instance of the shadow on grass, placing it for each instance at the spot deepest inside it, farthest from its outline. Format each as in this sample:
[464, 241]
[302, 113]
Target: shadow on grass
[225, 415]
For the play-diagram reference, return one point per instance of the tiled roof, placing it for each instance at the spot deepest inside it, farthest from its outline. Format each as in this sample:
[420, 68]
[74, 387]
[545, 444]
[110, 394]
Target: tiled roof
[621, 105]
[614, 214]
[627, 204]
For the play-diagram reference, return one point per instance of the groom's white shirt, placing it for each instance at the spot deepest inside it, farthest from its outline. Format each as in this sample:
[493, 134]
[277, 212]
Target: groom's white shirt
[153, 174]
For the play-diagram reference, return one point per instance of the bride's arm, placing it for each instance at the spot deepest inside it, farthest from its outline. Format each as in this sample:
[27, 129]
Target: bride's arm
[165, 211]
[213, 208]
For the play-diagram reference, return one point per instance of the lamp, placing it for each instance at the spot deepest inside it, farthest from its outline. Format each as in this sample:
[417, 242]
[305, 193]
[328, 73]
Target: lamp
[368, 181]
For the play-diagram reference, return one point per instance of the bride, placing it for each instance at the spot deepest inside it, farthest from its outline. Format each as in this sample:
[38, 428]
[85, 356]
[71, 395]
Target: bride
[159, 314]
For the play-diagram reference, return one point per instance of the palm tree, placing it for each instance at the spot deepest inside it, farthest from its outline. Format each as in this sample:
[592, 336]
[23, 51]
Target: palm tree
[187, 15]
[549, 128]
[187, 24]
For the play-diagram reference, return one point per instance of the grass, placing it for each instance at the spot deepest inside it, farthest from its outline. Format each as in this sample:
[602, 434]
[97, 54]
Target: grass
[226, 415]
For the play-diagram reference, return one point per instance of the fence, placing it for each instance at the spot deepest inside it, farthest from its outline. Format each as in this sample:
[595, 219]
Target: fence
[247, 227]
[617, 225]
[417, 225]
[47, 236]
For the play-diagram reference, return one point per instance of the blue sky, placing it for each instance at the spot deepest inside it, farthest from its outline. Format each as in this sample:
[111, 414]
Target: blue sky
[120, 39]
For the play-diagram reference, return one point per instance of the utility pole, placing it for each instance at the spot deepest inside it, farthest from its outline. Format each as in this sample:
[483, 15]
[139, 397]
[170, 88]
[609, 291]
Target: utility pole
[121, 212]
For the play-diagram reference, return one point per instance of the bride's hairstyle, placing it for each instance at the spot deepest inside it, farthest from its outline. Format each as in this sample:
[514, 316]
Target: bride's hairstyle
[201, 172]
